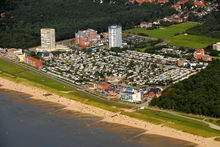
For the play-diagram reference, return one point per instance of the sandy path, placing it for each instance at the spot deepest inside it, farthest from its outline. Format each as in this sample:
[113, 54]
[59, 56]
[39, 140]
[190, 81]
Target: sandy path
[107, 116]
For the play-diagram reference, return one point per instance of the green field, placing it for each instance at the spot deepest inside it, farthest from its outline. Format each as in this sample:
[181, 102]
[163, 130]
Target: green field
[192, 116]
[176, 122]
[18, 74]
[175, 34]
[193, 41]
[215, 121]
[217, 139]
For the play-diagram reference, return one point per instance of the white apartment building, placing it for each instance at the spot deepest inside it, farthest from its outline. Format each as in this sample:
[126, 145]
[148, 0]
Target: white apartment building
[48, 42]
[216, 46]
[115, 36]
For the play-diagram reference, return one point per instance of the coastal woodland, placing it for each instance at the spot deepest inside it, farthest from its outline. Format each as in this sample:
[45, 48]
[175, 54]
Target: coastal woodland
[200, 94]
[210, 27]
[21, 20]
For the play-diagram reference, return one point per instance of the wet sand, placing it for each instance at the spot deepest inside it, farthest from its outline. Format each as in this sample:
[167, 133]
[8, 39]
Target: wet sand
[104, 118]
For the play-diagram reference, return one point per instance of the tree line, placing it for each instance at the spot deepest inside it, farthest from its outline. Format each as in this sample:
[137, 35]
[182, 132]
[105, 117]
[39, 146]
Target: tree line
[210, 26]
[200, 94]
[21, 28]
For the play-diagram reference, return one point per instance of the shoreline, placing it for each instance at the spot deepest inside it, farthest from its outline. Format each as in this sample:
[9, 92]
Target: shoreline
[107, 116]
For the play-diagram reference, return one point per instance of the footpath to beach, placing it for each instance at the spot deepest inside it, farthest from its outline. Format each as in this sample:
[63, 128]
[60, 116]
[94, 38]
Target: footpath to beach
[108, 116]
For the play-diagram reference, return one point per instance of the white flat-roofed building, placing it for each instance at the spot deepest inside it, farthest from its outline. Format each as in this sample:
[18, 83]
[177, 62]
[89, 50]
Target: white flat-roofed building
[216, 46]
[115, 36]
[48, 39]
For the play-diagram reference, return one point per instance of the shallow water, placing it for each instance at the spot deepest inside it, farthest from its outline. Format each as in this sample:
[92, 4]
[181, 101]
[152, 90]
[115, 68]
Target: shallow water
[25, 122]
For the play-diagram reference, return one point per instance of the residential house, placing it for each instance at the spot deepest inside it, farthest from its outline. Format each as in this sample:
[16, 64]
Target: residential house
[181, 62]
[146, 25]
[147, 1]
[182, 2]
[13, 52]
[199, 54]
[20, 58]
[207, 58]
[103, 86]
[199, 4]
[176, 7]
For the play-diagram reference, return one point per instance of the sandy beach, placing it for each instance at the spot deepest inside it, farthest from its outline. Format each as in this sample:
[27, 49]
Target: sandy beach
[107, 116]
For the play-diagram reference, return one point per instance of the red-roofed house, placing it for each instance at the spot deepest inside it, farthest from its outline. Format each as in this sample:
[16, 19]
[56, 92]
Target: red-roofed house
[177, 7]
[182, 2]
[199, 4]
[103, 86]
[151, 94]
[141, 1]
[199, 54]
[146, 1]
[162, 1]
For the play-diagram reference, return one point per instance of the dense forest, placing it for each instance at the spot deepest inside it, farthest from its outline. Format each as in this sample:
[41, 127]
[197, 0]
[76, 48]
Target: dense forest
[211, 26]
[200, 94]
[20, 27]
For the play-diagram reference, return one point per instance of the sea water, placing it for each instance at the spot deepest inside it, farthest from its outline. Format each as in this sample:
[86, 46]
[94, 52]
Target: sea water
[25, 122]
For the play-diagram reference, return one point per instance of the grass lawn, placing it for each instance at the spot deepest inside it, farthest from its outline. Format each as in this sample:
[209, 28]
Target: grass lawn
[215, 121]
[174, 34]
[94, 101]
[217, 139]
[192, 41]
[192, 116]
[19, 73]
[164, 32]
[145, 46]
[180, 123]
